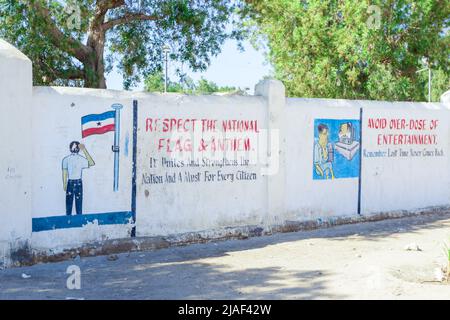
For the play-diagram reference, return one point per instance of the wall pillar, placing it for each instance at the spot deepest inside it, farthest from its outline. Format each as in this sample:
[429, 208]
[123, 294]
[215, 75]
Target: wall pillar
[15, 161]
[274, 93]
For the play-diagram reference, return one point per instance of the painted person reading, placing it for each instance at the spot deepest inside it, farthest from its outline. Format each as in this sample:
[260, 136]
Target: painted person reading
[323, 153]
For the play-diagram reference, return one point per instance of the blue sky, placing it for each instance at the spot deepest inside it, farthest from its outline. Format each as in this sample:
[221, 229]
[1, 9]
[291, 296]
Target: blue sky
[230, 68]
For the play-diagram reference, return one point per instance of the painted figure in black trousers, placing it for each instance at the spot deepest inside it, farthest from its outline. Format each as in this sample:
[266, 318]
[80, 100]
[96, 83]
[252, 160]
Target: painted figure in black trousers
[72, 170]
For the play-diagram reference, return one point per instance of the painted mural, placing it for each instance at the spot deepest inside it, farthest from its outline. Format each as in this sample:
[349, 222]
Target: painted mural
[336, 149]
[89, 192]
[74, 164]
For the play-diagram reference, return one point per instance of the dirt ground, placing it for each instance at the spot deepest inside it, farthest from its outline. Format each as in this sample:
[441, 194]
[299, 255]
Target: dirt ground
[361, 261]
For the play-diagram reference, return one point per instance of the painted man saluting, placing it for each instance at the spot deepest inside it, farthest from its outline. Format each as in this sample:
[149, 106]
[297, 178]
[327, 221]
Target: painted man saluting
[72, 169]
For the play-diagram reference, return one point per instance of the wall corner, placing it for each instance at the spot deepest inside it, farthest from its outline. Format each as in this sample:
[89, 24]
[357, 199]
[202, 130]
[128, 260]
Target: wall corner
[16, 85]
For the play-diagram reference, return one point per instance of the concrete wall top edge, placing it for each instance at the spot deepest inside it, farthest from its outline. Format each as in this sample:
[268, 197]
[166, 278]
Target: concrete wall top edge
[8, 51]
[311, 102]
[102, 93]
[290, 102]
[169, 97]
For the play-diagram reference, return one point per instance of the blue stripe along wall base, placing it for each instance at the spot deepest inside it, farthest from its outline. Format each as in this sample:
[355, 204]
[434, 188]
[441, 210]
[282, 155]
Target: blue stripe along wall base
[78, 221]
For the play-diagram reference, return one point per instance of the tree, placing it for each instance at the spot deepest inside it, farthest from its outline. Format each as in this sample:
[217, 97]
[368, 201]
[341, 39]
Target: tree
[74, 42]
[205, 86]
[354, 49]
[155, 83]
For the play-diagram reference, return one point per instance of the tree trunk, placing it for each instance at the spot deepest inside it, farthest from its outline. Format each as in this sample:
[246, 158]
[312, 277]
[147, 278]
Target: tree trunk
[94, 67]
[94, 73]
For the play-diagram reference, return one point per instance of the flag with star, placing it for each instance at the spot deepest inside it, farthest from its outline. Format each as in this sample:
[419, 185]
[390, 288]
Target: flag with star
[97, 123]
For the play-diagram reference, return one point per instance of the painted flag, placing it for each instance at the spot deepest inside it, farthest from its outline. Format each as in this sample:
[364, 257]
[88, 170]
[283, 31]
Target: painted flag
[97, 123]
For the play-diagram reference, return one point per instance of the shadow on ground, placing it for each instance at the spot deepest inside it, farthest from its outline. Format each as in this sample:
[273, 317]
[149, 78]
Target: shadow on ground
[183, 272]
[127, 279]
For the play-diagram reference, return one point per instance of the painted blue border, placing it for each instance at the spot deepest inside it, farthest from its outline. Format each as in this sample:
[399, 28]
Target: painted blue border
[360, 159]
[133, 178]
[78, 221]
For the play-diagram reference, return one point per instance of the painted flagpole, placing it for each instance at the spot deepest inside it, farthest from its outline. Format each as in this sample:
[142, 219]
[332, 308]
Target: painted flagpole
[115, 147]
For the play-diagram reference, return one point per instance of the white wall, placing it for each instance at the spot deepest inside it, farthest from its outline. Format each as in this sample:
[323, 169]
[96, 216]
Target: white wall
[57, 116]
[307, 198]
[188, 206]
[281, 184]
[163, 208]
[416, 178]
[15, 146]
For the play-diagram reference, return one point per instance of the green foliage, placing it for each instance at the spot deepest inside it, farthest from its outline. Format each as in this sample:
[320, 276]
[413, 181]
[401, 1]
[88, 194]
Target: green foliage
[155, 83]
[336, 49]
[204, 86]
[128, 34]
[22, 27]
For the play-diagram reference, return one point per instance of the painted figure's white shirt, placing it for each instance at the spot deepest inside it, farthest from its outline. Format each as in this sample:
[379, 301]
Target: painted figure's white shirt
[74, 164]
